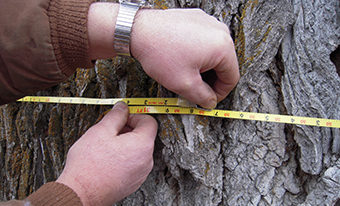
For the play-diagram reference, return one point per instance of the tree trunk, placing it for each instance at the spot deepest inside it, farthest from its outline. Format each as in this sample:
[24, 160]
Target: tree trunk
[288, 52]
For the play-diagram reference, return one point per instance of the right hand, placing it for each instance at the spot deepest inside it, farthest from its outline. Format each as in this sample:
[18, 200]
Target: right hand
[112, 159]
[175, 46]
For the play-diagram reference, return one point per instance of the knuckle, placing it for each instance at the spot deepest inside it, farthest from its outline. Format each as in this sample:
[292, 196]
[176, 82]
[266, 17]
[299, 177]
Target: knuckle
[225, 38]
[184, 86]
[147, 145]
[198, 11]
[151, 163]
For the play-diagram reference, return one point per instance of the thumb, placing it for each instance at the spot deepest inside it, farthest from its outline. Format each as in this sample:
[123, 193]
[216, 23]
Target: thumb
[116, 119]
[198, 92]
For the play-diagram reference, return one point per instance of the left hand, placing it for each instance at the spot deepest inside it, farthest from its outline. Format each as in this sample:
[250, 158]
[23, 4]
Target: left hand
[176, 46]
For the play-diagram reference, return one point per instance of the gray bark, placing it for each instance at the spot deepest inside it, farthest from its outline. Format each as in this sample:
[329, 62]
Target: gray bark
[287, 52]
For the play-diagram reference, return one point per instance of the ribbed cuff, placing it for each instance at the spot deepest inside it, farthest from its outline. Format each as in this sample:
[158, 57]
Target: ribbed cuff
[55, 194]
[68, 23]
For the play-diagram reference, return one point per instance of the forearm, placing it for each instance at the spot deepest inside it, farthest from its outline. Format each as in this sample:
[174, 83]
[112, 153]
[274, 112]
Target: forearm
[102, 18]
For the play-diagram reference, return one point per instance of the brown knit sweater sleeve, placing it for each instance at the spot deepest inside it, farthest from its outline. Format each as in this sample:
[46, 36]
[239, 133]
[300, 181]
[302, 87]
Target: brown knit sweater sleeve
[68, 24]
[54, 194]
[42, 43]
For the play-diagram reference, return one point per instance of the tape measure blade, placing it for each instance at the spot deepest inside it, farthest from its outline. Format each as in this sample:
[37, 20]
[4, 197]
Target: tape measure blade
[155, 101]
[176, 106]
[157, 110]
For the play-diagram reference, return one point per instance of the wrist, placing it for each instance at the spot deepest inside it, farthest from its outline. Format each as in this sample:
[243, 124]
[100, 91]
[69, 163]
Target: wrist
[142, 31]
[102, 19]
[125, 20]
[54, 193]
[76, 186]
[136, 34]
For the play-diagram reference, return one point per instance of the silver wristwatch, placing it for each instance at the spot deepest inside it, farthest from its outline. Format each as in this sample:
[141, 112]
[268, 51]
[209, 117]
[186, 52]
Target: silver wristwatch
[126, 15]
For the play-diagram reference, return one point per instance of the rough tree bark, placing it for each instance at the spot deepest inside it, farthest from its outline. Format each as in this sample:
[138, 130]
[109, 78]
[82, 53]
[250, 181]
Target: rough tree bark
[288, 53]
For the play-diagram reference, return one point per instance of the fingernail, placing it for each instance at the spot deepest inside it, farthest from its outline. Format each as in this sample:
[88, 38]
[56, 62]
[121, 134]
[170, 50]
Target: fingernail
[120, 105]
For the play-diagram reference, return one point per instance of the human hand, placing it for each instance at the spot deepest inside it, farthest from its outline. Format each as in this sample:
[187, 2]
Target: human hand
[112, 159]
[176, 46]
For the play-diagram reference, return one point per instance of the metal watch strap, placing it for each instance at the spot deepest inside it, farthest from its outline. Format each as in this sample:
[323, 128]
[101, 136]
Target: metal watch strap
[126, 15]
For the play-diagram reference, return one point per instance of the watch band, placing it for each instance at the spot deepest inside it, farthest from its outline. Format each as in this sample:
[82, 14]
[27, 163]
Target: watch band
[126, 15]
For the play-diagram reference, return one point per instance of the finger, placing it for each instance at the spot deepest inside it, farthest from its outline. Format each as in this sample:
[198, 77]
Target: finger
[227, 72]
[115, 120]
[143, 125]
[196, 90]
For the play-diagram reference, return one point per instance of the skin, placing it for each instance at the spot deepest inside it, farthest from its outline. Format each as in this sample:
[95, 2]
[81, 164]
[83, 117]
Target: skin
[113, 158]
[176, 43]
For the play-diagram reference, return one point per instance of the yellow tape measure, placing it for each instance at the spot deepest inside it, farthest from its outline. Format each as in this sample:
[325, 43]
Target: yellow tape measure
[182, 106]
